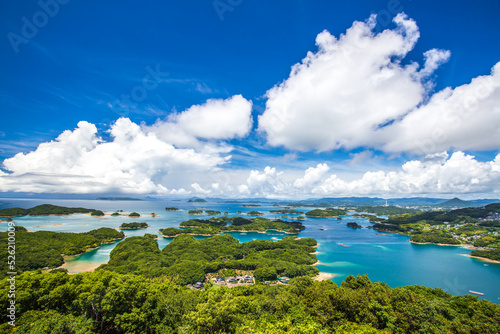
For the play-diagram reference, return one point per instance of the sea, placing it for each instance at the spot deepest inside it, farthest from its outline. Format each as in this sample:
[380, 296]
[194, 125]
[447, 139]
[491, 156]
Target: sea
[343, 251]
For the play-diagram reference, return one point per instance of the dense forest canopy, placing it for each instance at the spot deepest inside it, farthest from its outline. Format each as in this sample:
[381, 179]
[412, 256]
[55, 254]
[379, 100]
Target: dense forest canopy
[326, 213]
[186, 260]
[107, 302]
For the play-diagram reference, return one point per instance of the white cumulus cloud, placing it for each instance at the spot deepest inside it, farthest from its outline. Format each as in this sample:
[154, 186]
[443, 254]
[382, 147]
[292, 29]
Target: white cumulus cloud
[311, 176]
[134, 161]
[216, 119]
[465, 118]
[436, 174]
[354, 92]
[339, 96]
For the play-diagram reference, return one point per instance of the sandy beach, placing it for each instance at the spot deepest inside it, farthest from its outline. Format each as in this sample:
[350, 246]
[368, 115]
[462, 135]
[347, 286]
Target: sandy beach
[481, 258]
[79, 267]
[324, 276]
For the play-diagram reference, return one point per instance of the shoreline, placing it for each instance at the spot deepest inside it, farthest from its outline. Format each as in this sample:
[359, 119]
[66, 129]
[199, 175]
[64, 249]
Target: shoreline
[431, 243]
[324, 276]
[484, 259]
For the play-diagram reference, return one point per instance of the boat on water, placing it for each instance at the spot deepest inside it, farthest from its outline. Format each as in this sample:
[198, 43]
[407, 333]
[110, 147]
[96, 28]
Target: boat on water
[476, 293]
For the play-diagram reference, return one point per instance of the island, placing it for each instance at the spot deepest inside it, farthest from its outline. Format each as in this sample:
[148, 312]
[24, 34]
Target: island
[42, 210]
[195, 212]
[326, 213]
[187, 261]
[133, 226]
[97, 213]
[134, 215]
[168, 208]
[237, 224]
[354, 225]
[474, 228]
[197, 200]
[212, 212]
[251, 205]
[255, 213]
[115, 214]
[287, 212]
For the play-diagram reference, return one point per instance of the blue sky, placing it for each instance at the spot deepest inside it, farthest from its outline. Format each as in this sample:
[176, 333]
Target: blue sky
[86, 61]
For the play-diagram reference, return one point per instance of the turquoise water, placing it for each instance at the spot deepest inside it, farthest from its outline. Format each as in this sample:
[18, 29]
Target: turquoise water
[384, 257]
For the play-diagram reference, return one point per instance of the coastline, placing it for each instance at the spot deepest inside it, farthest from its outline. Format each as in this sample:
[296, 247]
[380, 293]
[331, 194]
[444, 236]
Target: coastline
[431, 243]
[323, 276]
[87, 267]
[133, 228]
[481, 258]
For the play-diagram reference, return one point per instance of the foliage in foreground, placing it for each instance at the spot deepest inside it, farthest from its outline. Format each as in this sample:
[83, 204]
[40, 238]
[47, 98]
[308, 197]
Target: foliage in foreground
[107, 302]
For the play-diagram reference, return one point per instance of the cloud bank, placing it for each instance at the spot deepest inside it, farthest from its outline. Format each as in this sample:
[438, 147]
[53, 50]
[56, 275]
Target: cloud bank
[138, 159]
[355, 92]
[435, 174]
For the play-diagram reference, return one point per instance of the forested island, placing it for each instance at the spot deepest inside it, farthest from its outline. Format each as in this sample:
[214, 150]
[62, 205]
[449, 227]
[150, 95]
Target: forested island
[255, 213]
[186, 260]
[171, 209]
[215, 226]
[133, 226]
[287, 212]
[43, 210]
[326, 213]
[35, 250]
[97, 213]
[474, 227]
[212, 212]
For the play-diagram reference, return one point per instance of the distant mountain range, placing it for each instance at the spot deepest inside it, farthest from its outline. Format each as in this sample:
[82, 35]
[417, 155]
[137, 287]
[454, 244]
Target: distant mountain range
[118, 199]
[373, 201]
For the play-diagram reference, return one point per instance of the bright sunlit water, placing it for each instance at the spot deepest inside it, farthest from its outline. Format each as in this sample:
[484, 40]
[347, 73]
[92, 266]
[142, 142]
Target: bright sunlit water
[384, 257]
